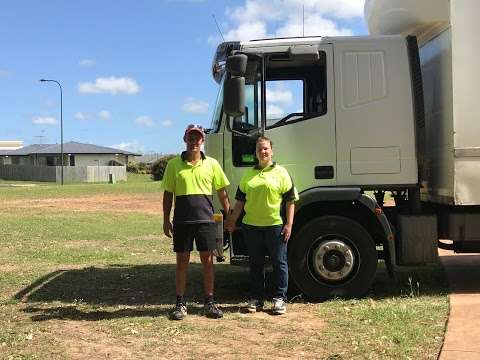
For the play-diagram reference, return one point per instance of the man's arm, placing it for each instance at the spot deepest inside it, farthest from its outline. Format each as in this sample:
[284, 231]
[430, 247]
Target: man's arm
[167, 208]
[224, 201]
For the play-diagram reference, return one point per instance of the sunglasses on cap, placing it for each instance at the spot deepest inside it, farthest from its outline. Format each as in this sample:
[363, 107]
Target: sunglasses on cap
[194, 127]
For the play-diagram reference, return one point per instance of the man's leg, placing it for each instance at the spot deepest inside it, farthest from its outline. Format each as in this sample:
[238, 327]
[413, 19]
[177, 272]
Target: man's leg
[205, 241]
[183, 259]
[211, 309]
[208, 273]
[182, 245]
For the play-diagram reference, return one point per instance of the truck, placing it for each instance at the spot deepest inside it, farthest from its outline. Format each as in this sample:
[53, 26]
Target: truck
[378, 132]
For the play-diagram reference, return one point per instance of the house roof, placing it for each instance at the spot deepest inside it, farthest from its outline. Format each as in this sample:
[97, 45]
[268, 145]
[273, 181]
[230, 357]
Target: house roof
[26, 150]
[71, 147]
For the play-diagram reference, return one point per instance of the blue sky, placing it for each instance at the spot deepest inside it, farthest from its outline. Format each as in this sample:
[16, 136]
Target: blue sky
[134, 73]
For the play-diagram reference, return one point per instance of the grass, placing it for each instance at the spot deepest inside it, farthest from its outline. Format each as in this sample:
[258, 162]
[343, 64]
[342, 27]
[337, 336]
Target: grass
[99, 284]
[135, 184]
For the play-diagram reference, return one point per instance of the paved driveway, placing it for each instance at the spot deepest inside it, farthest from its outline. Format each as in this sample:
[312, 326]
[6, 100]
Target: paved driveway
[462, 339]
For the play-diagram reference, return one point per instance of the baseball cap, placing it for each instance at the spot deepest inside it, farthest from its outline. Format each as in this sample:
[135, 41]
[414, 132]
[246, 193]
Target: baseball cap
[193, 127]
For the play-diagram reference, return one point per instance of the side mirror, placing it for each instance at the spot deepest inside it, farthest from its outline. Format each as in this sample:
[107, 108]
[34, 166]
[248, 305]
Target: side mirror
[236, 65]
[234, 86]
[234, 96]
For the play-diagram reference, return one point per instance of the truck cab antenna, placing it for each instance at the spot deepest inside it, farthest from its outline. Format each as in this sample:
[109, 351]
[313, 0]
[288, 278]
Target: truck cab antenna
[218, 27]
[303, 19]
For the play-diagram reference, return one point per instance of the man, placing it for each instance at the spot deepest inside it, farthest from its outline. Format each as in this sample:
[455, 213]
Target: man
[190, 177]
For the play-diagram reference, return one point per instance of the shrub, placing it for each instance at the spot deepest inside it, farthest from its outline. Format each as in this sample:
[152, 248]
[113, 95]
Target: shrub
[158, 167]
[133, 167]
[142, 167]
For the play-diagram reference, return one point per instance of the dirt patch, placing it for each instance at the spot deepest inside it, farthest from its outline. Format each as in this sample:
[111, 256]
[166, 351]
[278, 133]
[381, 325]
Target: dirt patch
[83, 341]
[236, 336]
[151, 204]
[263, 336]
[8, 267]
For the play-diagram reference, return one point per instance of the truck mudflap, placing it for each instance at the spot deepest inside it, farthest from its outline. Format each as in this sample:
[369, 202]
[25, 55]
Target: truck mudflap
[390, 258]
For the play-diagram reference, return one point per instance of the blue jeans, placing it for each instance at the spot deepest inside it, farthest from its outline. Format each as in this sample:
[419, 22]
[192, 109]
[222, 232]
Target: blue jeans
[258, 240]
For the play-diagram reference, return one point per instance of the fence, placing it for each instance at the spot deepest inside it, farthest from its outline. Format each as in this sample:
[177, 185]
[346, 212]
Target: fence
[71, 174]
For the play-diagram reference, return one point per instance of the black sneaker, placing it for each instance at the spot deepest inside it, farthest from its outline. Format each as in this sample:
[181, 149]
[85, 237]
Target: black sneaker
[211, 310]
[179, 312]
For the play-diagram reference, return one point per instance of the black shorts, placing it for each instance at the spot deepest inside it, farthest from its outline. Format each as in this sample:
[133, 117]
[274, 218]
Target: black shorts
[203, 234]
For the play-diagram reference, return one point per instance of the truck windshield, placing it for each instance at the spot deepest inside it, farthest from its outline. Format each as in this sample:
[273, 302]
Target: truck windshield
[217, 113]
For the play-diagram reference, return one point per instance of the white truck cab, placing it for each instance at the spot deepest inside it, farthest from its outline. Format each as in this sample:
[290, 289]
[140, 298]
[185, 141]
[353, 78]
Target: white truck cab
[353, 115]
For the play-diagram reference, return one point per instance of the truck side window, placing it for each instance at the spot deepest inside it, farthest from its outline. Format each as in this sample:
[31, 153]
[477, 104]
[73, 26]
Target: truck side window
[296, 91]
[284, 97]
[243, 147]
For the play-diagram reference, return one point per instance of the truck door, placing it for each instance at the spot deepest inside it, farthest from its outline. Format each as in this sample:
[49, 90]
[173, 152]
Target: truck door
[300, 117]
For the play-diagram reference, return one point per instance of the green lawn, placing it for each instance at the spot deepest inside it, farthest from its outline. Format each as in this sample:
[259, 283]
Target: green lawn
[136, 184]
[99, 284]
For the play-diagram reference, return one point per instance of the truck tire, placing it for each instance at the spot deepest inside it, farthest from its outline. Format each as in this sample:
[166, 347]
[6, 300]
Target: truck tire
[332, 256]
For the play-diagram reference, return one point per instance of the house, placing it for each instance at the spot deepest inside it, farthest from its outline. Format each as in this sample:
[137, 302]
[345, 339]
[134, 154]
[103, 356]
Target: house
[74, 154]
[81, 163]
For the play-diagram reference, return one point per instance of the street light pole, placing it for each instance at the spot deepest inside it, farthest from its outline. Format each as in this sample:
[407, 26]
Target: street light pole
[61, 119]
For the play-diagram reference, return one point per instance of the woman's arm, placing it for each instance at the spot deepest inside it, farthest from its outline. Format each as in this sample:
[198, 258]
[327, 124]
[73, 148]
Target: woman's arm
[287, 228]
[233, 217]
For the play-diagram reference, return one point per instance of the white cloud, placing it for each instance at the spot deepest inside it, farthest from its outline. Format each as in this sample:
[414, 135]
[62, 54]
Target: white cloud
[257, 19]
[274, 111]
[46, 120]
[247, 31]
[145, 121]
[133, 146]
[111, 85]
[314, 25]
[105, 114]
[4, 73]
[87, 63]
[195, 106]
[81, 115]
[167, 123]
[279, 96]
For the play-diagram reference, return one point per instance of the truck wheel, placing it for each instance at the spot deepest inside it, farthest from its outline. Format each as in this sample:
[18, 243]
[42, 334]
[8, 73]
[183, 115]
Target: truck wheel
[332, 256]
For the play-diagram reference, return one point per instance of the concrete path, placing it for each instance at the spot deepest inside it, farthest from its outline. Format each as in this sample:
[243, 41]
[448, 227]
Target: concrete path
[462, 339]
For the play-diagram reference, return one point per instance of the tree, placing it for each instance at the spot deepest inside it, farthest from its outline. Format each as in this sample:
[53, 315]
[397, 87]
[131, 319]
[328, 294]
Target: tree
[158, 167]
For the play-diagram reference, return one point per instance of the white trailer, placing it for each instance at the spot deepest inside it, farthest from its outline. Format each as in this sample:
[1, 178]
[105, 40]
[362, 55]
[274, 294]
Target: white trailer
[359, 126]
[447, 32]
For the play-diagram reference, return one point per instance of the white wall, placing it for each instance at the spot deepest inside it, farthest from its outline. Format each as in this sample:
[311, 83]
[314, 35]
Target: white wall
[90, 159]
[6, 160]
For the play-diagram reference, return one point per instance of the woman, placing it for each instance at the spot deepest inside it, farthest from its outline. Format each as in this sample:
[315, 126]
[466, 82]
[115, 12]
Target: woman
[261, 193]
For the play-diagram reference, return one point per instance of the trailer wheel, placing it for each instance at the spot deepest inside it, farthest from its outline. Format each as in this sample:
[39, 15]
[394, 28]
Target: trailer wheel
[332, 256]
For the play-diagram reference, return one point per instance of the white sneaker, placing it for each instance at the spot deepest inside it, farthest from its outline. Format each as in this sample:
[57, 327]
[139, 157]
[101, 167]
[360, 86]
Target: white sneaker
[279, 306]
[254, 305]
